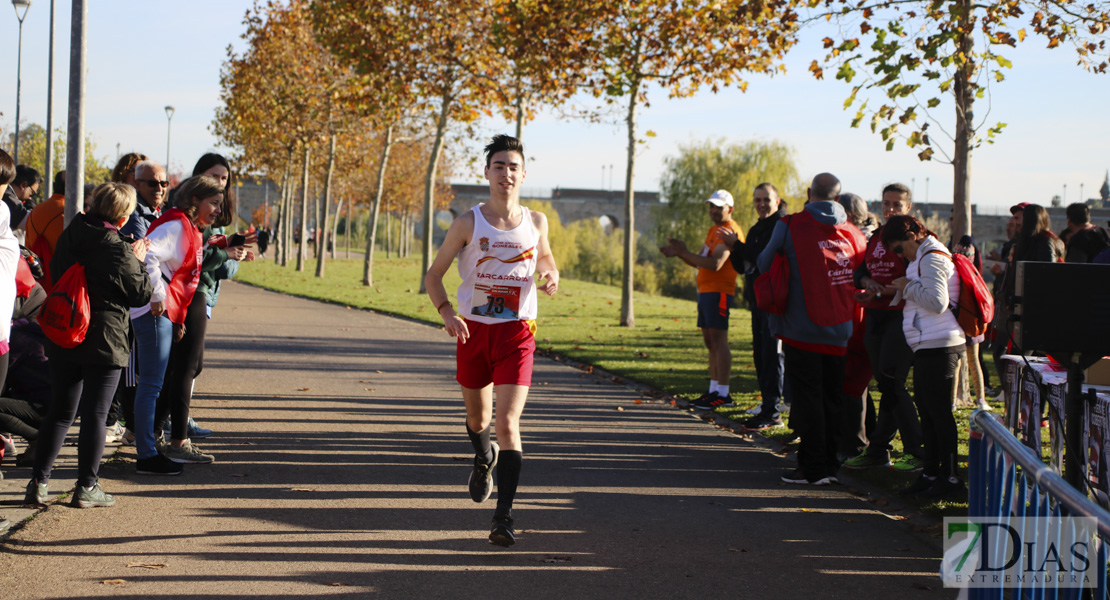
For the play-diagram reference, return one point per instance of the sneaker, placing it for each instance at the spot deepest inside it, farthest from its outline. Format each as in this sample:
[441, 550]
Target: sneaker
[128, 438]
[84, 497]
[923, 483]
[759, 422]
[27, 457]
[481, 477]
[187, 453]
[983, 405]
[758, 408]
[9, 445]
[797, 476]
[867, 461]
[944, 488]
[36, 493]
[782, 408]
[713, 401]
[5, 525]
[114, 433]
[196, 431]
[908, 464]
[501, 531]
[157, 465]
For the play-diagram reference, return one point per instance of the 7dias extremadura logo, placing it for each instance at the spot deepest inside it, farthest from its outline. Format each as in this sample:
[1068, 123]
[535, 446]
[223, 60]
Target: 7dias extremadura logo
[1030, 552]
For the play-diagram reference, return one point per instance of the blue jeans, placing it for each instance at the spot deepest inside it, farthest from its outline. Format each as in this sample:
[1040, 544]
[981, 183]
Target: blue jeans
[153, 336]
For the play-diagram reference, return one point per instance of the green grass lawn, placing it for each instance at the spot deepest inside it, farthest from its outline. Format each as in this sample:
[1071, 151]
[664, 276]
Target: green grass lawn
[664, 351]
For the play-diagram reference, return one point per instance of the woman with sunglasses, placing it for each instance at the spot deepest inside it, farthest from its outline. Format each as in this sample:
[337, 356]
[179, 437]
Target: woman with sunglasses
[929, 287]
[173, 264]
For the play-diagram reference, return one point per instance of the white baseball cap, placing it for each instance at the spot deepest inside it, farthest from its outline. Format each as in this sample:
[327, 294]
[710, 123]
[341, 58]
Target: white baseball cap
[720, 198]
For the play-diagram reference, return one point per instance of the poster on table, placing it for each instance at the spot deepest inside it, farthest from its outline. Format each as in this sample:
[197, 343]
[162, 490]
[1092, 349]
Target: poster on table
[1056, 395]
[1096, 433]
[1029, 413]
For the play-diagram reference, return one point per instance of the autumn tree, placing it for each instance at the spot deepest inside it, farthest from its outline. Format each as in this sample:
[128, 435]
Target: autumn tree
[907, 59]
[683, 46]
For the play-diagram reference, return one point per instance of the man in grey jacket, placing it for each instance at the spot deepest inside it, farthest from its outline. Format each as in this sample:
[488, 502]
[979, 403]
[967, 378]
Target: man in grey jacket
[822, 250]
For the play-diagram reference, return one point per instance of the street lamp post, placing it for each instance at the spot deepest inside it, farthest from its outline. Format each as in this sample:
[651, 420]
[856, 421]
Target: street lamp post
[21, 7]
[48, 161]
[169, 119]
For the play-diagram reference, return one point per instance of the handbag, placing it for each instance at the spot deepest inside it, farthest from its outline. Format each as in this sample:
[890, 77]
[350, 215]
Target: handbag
[772, 287]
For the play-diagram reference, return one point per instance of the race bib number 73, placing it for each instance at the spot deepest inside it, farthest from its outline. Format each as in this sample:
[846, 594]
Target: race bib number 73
[496, 301]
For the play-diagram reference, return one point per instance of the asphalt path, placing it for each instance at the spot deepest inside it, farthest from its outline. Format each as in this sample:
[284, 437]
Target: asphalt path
[341, 469]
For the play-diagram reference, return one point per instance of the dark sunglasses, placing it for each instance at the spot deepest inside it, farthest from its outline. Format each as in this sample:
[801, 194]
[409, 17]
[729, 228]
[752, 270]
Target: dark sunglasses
[154, 182]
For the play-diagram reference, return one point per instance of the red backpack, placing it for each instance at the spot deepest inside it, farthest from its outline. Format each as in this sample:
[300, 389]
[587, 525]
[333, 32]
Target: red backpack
[64, 317]
[974, 308]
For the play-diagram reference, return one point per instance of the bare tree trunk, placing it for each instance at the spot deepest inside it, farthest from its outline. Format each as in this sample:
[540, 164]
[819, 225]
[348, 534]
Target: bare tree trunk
[279, 247]
[290, 204]
[446, 100]
[388, 234]
[301, 247]
[628, 318]
[372, 224]
[965, 100]
[322, 223]
[347, 227]
[335, 227]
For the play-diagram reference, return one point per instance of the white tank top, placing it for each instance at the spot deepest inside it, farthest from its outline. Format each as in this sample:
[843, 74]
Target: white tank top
[498, 272]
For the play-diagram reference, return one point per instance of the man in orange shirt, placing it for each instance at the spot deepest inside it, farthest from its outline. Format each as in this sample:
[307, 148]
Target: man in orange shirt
[716, 287]
[46, 221]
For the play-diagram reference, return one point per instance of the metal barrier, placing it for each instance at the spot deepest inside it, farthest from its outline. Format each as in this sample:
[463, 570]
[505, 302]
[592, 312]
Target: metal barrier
[997, 489]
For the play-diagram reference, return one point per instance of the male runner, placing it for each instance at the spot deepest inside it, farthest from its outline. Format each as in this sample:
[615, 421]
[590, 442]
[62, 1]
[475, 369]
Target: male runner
[501, 246]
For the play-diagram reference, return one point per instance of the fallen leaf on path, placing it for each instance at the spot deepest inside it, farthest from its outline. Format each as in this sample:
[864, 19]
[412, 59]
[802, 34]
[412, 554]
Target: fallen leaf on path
[620, 408]
[921, 586]
[147, 565]
[737, 549]
[880, 502]
[238, 474]
[811, 510]
[379, 371]
[368, 389]
[461, 457]
[113, 581]
[364, 381]
[302, 389]
[638, 401]
[554, 559]
[338, 583]
[302, 490]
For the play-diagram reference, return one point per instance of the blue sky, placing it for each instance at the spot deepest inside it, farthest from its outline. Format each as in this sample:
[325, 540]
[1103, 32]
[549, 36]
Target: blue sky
[143, 55]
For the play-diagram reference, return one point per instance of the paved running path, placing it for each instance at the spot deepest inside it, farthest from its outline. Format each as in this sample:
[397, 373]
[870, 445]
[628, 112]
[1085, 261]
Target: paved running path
[341, 471]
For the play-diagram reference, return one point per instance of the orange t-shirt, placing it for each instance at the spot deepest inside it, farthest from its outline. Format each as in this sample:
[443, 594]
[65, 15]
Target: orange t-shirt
[723, 280]
[47, 219]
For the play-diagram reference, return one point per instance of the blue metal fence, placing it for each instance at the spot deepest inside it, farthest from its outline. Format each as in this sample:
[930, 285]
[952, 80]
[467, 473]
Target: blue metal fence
[1008, 480]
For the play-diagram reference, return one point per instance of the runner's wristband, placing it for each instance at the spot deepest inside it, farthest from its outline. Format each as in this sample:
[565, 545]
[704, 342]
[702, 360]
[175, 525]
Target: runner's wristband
[442, 304]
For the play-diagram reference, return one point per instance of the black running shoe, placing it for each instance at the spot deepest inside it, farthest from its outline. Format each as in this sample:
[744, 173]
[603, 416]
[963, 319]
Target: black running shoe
[501, 531]
[922, 483]
[713, 401]
[157, 465]
[760, 422]
[481, 478]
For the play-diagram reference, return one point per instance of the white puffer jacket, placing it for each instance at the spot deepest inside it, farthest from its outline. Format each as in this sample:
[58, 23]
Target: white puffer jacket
[926, 319]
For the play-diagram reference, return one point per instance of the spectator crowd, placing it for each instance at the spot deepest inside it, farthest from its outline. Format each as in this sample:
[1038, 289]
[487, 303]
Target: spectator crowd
[838, 299]
[150, 259]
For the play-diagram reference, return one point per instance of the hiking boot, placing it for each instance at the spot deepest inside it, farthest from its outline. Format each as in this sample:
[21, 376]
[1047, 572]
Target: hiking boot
[908, 464]
[797, 476]
[481, 478]
[36, 493]
[943, 488]
[157, 465]
[92, 497]
[866, 461]
[923, 483]
[187, 453]
[759, 422]
[713, 401]
[501, 531]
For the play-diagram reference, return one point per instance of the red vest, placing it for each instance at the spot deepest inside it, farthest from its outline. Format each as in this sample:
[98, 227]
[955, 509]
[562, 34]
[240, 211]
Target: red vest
[180, 289]
[827, 256]
[884, 266]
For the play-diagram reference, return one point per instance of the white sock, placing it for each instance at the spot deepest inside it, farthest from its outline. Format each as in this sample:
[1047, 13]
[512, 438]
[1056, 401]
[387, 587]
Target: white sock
[712, 386]
[722, 389]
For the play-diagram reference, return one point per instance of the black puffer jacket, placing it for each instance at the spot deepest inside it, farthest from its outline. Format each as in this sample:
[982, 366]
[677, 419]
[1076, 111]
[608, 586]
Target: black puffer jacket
[116, 282]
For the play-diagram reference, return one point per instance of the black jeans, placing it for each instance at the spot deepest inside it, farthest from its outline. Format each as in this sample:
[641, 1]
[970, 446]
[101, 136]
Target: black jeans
[768, 358]
[90, 389]
[934, 373]
[815, 382]
[185, 364]
[21, 418]
[891, 359]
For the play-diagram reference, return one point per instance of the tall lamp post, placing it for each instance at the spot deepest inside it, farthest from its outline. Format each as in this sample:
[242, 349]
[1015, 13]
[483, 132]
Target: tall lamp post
[21, 7]
[169, 119]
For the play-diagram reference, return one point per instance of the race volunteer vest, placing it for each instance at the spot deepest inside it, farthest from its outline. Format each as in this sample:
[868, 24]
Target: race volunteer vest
[884, 266]
[827, 256]
[180, 287]
[497, 269]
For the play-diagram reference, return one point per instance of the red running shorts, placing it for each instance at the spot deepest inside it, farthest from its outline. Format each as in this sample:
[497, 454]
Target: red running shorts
[500, 354]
